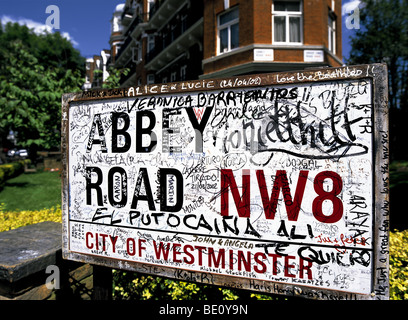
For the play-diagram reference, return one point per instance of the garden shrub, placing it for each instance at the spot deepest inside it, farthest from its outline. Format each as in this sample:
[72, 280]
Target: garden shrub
[15, 219]
[399, 265]
[135, 286]
[11, 170]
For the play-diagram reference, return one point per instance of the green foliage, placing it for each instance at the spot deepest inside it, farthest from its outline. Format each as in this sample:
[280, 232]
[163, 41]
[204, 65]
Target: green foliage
[34, 73]
[10, 170]
[399, 265]
[113, 81]
[136, 286]
[383, 37]
[15, 219]
[399, 174]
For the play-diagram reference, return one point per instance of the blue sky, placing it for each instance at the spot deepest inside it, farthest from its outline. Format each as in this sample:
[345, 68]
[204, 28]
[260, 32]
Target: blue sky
[87, 22]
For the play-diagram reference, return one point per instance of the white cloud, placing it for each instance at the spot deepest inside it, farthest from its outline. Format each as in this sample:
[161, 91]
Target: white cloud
[69, 38]
[37, 27]
[350, 6]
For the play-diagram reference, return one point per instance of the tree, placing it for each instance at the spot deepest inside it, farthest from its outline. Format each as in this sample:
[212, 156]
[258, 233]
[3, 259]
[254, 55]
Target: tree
[32, 81]
[114, 78]
[383, 37]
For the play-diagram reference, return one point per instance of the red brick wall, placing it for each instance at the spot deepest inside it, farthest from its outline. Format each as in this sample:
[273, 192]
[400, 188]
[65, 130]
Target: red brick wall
[262, 20]
[255, 27]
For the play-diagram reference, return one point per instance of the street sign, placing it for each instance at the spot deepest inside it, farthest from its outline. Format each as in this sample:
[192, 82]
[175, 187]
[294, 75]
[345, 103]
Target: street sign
[275, 183]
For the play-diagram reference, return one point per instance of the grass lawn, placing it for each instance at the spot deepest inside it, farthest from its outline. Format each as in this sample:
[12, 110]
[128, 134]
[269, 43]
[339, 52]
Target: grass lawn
[32, 191]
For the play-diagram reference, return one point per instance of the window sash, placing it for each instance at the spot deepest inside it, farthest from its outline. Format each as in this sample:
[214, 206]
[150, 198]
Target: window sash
[228, 31]
[287, 22]
[231, 16]
[287, 6]
[332, 34]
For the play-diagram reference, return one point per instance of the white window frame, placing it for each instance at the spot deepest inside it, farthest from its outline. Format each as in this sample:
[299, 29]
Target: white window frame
[150, 3]
[331, 30]
[227, 26]
[137, 55]
[150, 42]
[287, 15]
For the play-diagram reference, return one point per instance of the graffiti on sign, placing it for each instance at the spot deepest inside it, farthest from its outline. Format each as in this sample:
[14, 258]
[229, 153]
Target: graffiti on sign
[261, 182]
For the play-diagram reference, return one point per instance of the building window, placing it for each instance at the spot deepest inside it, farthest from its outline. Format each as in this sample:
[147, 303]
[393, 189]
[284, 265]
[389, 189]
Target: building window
[150, 43]
[183, 23]
[150, 79]
[332, 32]
[183, 73]
[173, 76]
[137, 52]
[228, 30]
[150, 5]
[287, 22]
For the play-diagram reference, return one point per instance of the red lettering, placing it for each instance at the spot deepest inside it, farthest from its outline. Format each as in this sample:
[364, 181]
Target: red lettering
[288, 267]
[161, 249]
[190, 248]
[131, 246]
[242, 203]
[113, 240]
[245, 261]
[317, 206]
[281, 183]
[92, 241]
[274, 263]
[200, 254]
[217, 261]
[88, 245]
[176, 251]
[308, 269]
[103, 241]
[260, 262]
[141, 247]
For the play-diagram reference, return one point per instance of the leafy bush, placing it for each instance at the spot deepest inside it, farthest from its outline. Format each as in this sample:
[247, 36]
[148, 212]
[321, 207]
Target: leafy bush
[399, 265]
[136, 286]
[11, 170]
[15, 219]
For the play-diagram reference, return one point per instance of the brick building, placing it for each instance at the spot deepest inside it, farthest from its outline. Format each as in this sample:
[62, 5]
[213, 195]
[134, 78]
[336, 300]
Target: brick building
[96, 70]
[173, 40]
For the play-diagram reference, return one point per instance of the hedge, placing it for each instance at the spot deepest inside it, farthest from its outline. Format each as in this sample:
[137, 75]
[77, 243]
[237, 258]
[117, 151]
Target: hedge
[130, 285]
[11, 170]
[15, 219]
[399, 265]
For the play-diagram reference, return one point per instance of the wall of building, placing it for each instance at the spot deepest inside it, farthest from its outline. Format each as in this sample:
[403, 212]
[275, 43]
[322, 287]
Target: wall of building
[199, 55]
[255, 31]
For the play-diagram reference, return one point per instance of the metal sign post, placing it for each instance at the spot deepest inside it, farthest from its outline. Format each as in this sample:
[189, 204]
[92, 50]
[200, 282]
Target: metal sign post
[275, 183]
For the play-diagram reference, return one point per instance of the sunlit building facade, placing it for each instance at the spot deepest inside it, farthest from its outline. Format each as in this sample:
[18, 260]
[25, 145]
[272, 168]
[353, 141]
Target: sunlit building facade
[161, 41]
